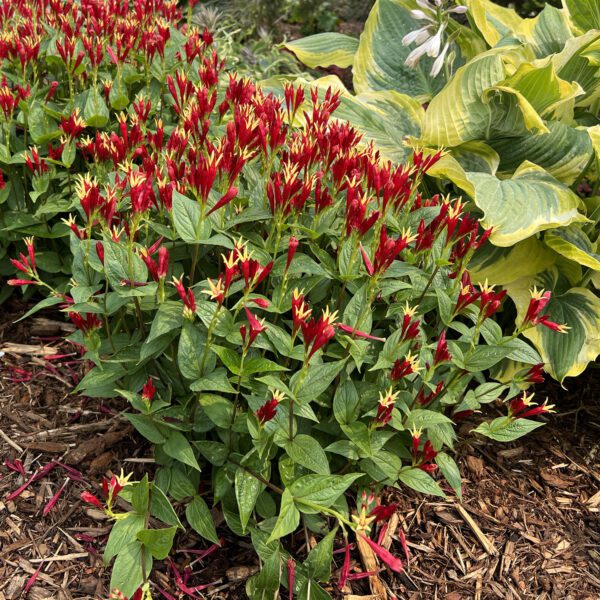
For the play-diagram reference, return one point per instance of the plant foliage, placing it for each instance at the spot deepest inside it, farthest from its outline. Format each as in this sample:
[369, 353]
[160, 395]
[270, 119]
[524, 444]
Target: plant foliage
[286, 318]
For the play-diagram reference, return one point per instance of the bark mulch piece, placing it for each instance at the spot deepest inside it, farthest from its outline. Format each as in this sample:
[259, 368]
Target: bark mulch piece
[528, 525]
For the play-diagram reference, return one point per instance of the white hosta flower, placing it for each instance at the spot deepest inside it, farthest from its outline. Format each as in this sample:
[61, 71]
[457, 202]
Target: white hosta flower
[429, 38]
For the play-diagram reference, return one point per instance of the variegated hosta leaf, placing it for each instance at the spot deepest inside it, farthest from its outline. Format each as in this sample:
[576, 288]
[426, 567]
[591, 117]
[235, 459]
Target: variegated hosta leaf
[565, 354]
[493, 21]
[592, 53]
[564, 152]
[477, 105]
[458, 114]
[379, 61]
[531, 201]
[573, 243]
[571, 64]
[324, 50]
[543, 89]
[584, 14]
[546, 33]
[501, 266]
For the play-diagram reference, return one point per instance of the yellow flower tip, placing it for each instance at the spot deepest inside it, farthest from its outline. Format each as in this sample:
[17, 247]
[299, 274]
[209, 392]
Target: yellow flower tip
[388, 398]
[278, 396]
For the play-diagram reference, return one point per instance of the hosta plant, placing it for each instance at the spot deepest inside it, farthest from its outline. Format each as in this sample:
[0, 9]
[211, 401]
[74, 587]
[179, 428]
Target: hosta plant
[515, 105]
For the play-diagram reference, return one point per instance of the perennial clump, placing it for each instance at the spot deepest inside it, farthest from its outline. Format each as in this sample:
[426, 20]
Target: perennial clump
[286, 316]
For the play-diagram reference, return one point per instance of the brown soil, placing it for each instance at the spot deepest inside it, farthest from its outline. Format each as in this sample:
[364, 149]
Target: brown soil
[528, 527]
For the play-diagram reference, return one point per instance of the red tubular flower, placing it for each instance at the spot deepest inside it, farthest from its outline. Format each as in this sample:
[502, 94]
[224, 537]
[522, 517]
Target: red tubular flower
[388, 249]
[441, 352]
[89, 498]
[539, 300]
[385, 556]
[383, 513]
[317, 332]
[21, 282]
[226, 199]
[385, 407]
[300, 310]
[404, 368]
[52, 502]
[523, 407]
[535, 374]
[427, 455]
[148, 391]
[100, 251]
[35, 164]
[256, 327]
[410, 328]
[490, 300]
[357, 333]
[87, 324]
[345, 570]
[73, 125]
[251, 269]
[294, 97]
[467, 294]
[368, 265]
[291, 572]
[269, 409]
[416, 441]
[163, 262]
[187, 297]
[292, 247]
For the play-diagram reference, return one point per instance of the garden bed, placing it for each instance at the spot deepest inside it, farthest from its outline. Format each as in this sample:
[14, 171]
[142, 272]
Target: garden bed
[528, 526]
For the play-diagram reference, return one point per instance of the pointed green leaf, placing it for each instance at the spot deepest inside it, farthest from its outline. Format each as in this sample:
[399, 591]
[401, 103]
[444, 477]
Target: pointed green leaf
[324, 50]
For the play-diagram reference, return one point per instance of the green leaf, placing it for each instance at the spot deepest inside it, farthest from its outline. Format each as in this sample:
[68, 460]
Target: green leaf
[187, 217]
[419, 480]
[379, 60]
[324, 50]
[317, 380]
[247, 491]
[192, 345]
[158, 541]
[117, 265]
[218, 409]
[289, 517]
[318, 562]
[423, 418]
[259, 365]
[306, 451]
[493, 21]
[146, 426]
[573, 243]
[321, 490]
[346, 403]
[140, 495]
[531, 201]
[129, 568]
[505, 429]
[564, 152]
[161, 508]
[485, 357]
[95, 111]
[179, 448]
[450, 471]
[585, 14]
[200, 518]
[122, 533]
[168, 317]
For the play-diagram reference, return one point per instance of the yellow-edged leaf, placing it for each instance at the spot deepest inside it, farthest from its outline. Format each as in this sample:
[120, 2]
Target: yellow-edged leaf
[493, 21]
[573, 243]
[501, 266]
[531, 201]
[324, 50]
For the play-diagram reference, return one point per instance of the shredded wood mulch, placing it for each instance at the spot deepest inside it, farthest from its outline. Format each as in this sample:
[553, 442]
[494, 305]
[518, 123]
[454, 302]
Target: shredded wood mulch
[528, 526]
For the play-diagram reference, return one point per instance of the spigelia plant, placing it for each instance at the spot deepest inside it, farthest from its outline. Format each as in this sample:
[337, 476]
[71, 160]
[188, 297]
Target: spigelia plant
[289, 322]
[515, 104]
